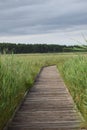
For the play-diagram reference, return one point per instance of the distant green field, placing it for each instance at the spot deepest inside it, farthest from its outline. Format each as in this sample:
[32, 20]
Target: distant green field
[17, 74]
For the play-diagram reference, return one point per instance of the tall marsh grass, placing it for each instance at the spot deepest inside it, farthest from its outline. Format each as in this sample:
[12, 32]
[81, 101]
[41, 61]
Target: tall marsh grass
[74, 72]
[17, 74]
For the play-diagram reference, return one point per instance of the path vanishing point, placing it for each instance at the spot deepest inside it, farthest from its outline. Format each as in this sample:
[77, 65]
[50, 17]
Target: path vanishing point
[48, 105]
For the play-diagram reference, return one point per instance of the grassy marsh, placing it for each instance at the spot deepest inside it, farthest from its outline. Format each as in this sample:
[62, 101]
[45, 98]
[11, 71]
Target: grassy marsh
[17, 74]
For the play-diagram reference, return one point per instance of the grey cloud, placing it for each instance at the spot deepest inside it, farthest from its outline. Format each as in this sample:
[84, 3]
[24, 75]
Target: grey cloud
[19, 3]
[21, 17]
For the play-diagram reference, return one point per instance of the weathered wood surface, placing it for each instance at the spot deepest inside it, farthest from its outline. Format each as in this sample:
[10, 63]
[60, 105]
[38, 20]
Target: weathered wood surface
[48, 105]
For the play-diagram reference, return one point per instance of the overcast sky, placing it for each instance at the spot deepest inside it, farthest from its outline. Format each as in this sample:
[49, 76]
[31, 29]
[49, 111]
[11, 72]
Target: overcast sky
[43, 21]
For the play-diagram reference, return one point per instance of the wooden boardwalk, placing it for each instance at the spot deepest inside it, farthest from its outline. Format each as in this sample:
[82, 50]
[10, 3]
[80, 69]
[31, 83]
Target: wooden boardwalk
[48, 105]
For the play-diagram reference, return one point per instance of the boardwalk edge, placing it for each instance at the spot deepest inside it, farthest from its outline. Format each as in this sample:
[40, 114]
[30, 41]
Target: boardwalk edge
[22, 100]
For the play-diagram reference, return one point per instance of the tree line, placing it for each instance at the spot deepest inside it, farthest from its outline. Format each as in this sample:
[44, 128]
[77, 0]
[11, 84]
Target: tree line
[36, 48]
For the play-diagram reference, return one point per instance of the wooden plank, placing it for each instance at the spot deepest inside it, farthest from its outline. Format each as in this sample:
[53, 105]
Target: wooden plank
[48, 105]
